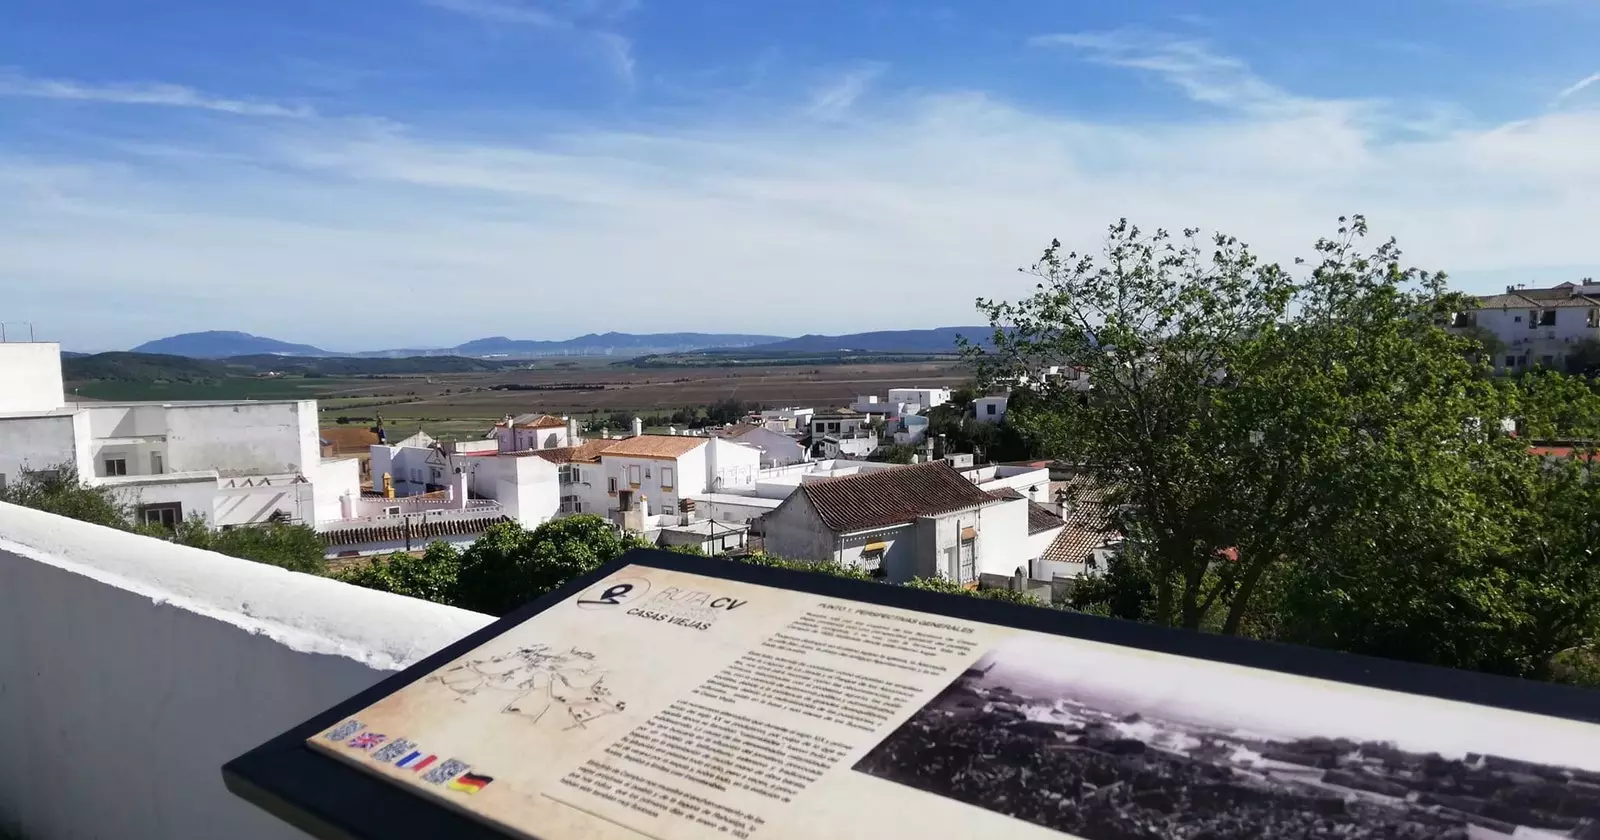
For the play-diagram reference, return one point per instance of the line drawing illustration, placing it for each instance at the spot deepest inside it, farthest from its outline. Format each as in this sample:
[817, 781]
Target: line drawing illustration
[533, 680]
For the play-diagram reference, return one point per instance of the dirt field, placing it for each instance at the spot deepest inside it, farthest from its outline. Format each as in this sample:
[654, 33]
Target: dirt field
[447, 405]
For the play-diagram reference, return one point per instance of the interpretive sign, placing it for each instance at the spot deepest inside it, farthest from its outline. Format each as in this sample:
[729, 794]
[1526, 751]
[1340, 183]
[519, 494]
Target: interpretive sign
[679, 698]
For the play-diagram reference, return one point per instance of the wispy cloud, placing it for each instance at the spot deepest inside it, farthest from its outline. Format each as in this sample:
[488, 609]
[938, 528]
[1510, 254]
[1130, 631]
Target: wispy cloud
[499, 11]
[835, 98]
[948, 190]
[14, 84]
[588, 21]
[1575, 88]
[1190, 64]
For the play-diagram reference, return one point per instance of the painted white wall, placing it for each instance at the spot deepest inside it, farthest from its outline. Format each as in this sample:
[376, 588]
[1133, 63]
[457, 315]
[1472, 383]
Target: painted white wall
[37, 442]
[690, 473]
[730, 467]
[926, 398]
[776, 449]
[30, 377]
[522, 440]
[240, 501]
[196, 492]
[334, 479]
[989, 409]
[133, 669]
[244, 437]
[1003, 542]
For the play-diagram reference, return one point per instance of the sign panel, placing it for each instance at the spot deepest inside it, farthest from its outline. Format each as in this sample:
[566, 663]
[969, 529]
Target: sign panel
[659, 703]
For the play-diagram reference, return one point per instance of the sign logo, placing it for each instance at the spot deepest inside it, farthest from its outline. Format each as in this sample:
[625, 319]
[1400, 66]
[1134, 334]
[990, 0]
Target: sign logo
[614, 593]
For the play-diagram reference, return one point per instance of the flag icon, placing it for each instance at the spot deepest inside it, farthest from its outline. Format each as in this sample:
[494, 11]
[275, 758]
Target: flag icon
[365, 741]
[416, 761]
[471, 783]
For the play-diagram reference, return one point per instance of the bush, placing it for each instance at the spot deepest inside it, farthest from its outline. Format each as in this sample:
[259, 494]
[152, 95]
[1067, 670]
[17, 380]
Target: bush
[431, 576]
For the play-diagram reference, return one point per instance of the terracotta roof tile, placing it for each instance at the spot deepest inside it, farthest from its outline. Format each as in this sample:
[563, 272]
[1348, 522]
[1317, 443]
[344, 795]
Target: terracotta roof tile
[892, 497]
[1042, 518]
[587, 452]
[1089, 525]
[534, 421]
[656, 446]
[349, 438]
[418, 530]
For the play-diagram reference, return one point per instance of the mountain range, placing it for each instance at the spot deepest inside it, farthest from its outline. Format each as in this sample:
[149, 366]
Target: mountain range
[222, 344]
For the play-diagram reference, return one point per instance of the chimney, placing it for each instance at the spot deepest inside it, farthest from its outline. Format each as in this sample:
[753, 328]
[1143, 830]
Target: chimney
[672, 430]
[928, 449]
[572, 432]
[347, 507]
[1064, 504]
[638, 427]
[458, 491]
[940, 449]
[605, 433]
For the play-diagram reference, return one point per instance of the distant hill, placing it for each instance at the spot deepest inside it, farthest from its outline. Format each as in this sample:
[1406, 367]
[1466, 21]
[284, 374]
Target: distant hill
[220, 344]
[140, 367]
[609, 344]
[937, 340]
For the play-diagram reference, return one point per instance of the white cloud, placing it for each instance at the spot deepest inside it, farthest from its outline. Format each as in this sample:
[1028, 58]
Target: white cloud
[14, 84]
[765, 222]
[1575, 88]
[835, 99]
[499, 11]
[1190, 64]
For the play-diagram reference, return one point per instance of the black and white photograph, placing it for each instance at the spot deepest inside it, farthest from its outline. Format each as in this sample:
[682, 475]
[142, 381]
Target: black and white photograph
[1106, 743]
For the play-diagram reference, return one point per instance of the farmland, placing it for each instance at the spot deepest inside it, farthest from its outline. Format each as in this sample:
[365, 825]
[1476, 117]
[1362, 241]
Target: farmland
[453, 404]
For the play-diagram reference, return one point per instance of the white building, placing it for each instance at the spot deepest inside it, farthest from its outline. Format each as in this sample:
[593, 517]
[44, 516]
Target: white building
[228, 462]
[923, 520]
[787, 419]
[991, 409]
[524, 487]
[1538, 327]
[777, 449]
[926, 399]
[526, 432]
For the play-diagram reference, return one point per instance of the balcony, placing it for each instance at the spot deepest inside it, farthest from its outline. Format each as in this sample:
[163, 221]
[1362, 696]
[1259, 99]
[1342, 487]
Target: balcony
[131, 669]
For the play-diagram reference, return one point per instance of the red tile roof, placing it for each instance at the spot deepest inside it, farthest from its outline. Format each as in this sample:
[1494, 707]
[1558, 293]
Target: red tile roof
[1089, 525]
[1042, 518]
[892, 497]
[587, 452]
[656, 446]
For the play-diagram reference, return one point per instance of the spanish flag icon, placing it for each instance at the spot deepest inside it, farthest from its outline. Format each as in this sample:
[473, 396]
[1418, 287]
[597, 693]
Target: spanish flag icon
[471, 783]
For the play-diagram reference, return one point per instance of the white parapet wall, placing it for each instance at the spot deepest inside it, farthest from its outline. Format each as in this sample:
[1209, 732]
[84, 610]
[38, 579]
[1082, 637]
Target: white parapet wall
[132, 669]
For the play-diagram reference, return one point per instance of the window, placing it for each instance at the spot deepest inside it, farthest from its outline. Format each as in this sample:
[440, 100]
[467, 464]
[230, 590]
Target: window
[168, 515]
[1517, 318]
[1511, 361]
[988, 408]
[1594, 318]
[1547, 361]
[611, 485]
[116, 466]
[2, 481]
[666, 478]
[570, 474]
[392, 510]
[969, 560]
[633, 474]
[157, 467]
[436, 473]
[1547, 318]
[571, 504]
[1464, 319]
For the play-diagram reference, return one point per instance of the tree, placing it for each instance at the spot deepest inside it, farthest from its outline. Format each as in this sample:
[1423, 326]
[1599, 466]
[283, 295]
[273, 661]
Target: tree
[950, 587]
[297, 548]
[1246, 414]
[431, 576]
[59, 490]
[509, 565]
[1584, 360]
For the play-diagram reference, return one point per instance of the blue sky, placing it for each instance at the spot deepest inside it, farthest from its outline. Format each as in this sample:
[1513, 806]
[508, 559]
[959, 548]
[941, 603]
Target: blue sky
[378, 173]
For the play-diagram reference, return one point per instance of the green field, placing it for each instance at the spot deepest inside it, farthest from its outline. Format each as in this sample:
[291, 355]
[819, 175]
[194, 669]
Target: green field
[232, 388]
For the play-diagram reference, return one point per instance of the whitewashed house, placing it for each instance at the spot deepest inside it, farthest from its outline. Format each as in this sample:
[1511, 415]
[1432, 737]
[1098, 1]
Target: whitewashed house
[925, 399]
[234, 462]
[923, 520]
[777, 449]
[990, 409]
[1539, 327]
[526, 432]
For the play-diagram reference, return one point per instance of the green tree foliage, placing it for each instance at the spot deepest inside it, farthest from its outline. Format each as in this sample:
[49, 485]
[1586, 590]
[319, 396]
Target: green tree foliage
[297, 548]
[510, 565]
[430, 576]
[1308, 458]
[61, 491]
[950, 587]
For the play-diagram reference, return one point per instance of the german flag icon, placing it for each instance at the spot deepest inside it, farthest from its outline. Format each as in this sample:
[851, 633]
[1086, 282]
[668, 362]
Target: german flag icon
[470, 783]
